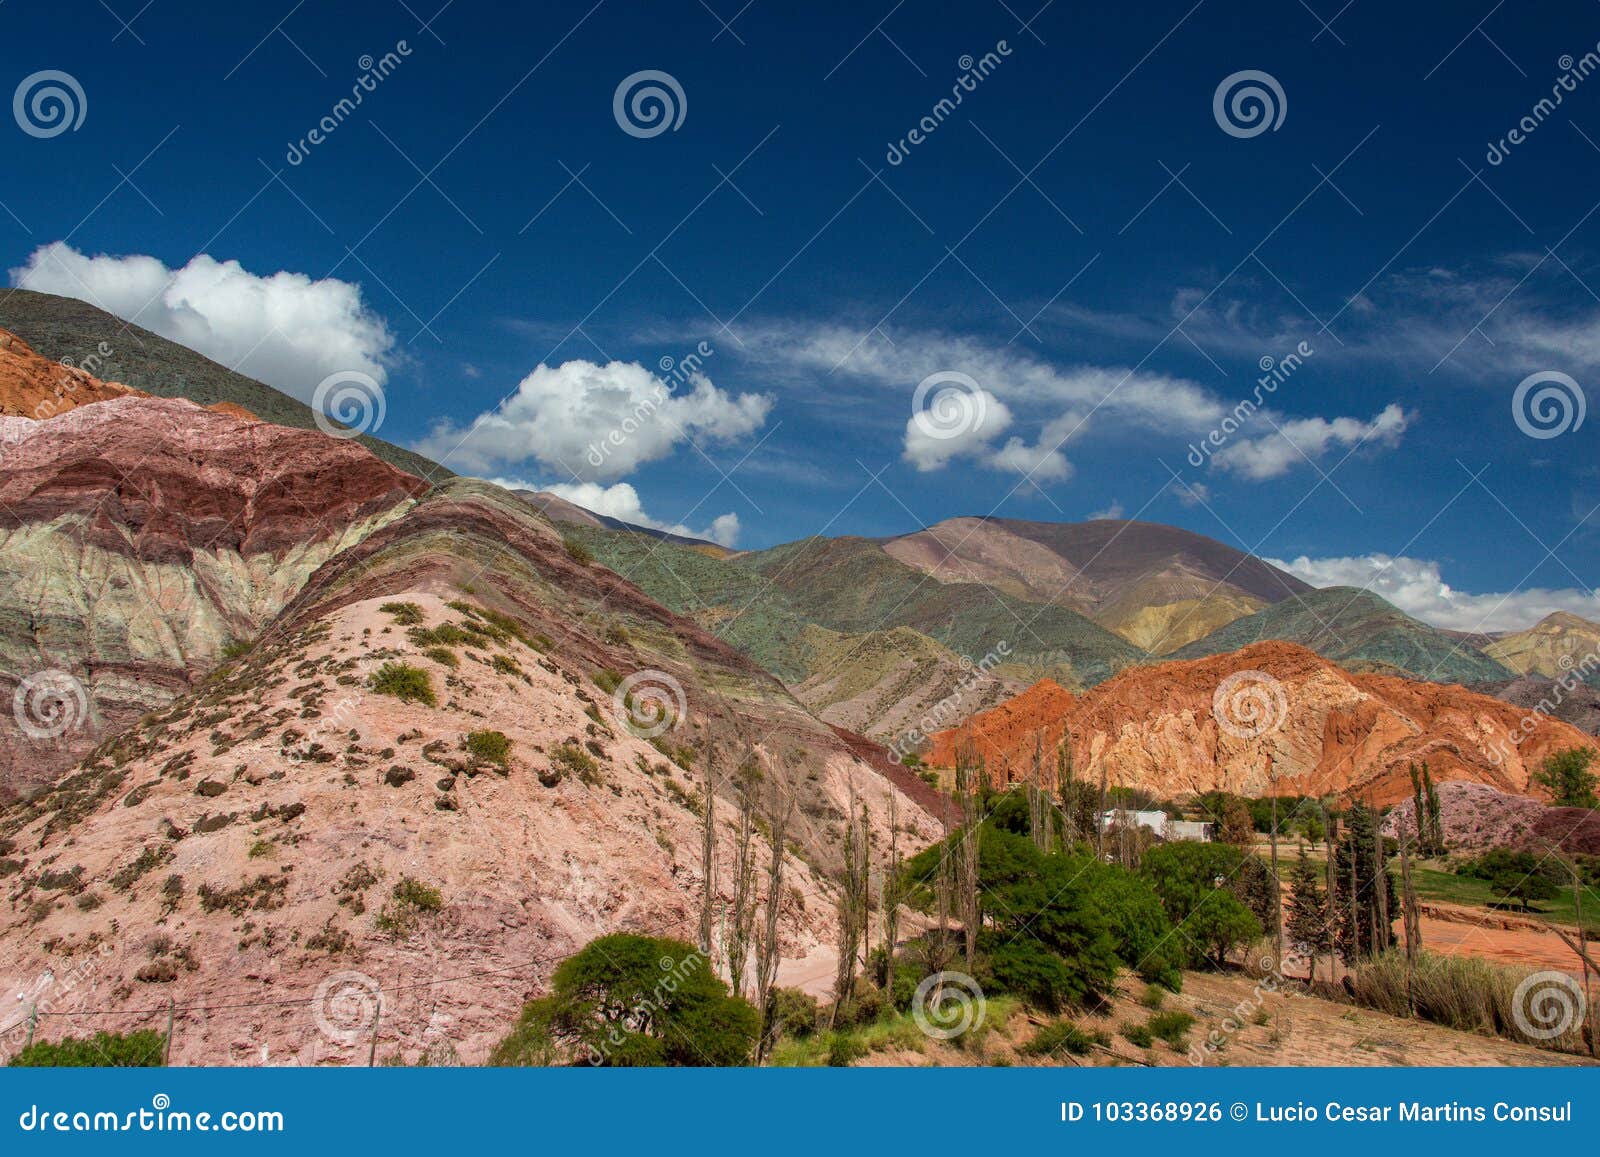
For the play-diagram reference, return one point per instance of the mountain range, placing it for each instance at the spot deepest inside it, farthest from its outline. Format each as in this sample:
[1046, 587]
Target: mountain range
[284, 709]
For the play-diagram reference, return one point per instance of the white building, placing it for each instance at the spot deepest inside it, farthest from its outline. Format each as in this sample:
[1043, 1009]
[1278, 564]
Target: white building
[1158, 823]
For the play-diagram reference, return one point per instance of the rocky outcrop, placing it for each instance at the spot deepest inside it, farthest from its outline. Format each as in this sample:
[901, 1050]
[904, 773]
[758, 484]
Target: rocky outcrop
[139, 537]
[239, 852]
[1272, 718]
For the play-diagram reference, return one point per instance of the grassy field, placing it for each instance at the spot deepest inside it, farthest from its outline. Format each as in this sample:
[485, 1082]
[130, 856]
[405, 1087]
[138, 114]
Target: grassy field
[1436, 884]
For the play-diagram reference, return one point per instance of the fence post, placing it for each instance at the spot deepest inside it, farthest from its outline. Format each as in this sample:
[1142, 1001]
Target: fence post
[166, 1052]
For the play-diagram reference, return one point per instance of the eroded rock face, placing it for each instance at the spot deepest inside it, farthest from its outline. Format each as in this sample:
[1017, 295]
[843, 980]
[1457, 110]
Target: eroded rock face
[140, 536]
[1321, 729]
[32, 386]
[289, 794]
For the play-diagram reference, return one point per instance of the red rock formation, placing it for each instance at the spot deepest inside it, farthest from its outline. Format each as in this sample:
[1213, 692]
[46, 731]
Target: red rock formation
[32, 386]
[1322, 729]
[139, 536]
[162, 477]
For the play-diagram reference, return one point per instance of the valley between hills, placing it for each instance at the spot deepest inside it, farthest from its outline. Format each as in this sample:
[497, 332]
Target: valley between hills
[323, 754]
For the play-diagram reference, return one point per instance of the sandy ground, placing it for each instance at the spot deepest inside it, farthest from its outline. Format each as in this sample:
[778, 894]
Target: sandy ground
[1457, 930]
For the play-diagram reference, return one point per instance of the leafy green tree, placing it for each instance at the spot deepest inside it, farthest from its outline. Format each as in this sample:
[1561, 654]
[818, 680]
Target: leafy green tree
[1220, 924]
[1567, 776]
[1519, 877]
[633, 1001]
[1184, 875]
[1362, 931]
[1310, 923]
[1523, 888]
[136, 1050]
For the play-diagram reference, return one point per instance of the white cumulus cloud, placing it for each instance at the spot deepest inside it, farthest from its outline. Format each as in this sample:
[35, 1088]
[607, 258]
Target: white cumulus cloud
[1416, 586]
[621, 500]
[596, 422]
[1295, 442]
[1044, 408]
[286, 329]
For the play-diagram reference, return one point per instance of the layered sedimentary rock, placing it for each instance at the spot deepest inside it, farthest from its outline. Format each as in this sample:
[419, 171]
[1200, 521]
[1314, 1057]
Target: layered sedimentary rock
[139, 537]
[1272, 718]
[239, 851]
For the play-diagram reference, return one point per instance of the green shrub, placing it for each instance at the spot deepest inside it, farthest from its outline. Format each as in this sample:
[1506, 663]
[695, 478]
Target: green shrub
[631, 1001]
[1138, 1035]
[506, 665]
[445, 635]
[135, 1050]
[489, 746]
[407, 683]
[1173, 1027]
[1063, 1036]
[406, 614]
[409, 900]
[422, 897]
[234, 648]
[577, 552]
[570, 757]
[607, 680]
[443, 656]
[844, 1050]
[794, 1013]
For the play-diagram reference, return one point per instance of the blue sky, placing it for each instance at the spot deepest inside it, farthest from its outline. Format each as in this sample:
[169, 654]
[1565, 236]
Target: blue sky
[1088, 264]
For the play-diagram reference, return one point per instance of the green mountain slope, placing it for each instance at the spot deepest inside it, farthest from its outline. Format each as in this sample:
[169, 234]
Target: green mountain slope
[761, 602]
[64, 328]
[1358, 629]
